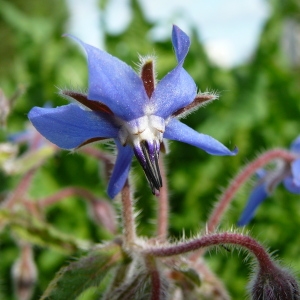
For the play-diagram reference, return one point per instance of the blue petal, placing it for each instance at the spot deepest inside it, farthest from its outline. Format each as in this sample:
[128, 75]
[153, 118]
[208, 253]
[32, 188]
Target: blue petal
[177, 89]
[20, 137]
[178, 131]
[69, 126]
[181, 43]
[260, 173]
[292, 183]
[115, 84]
[295, 168]
[257, 196]
[295, 147]
[121, 170]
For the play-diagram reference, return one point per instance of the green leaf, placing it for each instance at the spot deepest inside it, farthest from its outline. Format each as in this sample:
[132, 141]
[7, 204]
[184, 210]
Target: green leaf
[192, 275]
[85, 273]
[37, 232]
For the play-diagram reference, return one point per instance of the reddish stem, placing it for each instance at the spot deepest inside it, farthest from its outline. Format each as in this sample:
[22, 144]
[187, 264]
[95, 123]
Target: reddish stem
[96, 153]
[128, 216]
[67, 192]
[155, 278]
[238, 181]
[21, 190]
[247, 242]
[163, 205]
[156, 285]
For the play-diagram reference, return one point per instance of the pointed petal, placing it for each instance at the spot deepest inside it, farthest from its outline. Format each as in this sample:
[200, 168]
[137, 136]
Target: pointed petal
[121, 170]
[295, 168]
[181, 43]
[177, 89]
[292, 183]
[178, 131]
[295, 147]
[257, 196]
[114, 83]
[260, 173]
[69, 126]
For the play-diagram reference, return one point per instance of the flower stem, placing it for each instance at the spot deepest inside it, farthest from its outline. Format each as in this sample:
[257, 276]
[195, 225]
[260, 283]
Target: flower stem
[228, 195]
[163, 205]
[21, 190]
[96, 153]
[128, 216]
[156, 289]
[67, 192]
[242, 177]
[246, 242]
[105, 158]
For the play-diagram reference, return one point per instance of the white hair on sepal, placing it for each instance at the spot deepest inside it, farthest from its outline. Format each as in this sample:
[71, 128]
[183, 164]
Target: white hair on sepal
[143, 60]
[201, 100]
[71, 88]
[70, 98]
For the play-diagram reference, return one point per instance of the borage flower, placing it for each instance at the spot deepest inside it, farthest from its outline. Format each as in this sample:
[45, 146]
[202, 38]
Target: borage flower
[132, 110]
[286, 172]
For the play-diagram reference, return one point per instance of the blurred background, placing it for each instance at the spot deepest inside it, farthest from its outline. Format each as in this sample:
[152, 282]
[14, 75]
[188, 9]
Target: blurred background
[247, 51]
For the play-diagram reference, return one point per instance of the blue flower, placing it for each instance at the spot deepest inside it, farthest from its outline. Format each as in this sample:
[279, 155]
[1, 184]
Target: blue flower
[131, 109]
[286, 172]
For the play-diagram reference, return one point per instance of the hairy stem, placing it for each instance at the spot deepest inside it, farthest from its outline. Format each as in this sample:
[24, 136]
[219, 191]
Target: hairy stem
[228, 195]
[246, 242]
[239, 180]
[105, 158]
[155, 278]
[163, 205]
[67, 192]
[128, 216]
[96, 153]
[21, 190]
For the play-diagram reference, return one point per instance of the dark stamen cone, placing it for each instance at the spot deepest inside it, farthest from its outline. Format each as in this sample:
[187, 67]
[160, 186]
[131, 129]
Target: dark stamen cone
[148, 158]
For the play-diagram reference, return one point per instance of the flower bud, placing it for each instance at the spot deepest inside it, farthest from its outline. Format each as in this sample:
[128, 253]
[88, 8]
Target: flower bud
[274, 284]
[8, 152]
[4, 109]
[24, 274]
[104, 214]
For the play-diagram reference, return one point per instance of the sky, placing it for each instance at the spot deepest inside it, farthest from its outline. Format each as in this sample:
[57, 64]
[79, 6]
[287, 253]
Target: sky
[228, 29]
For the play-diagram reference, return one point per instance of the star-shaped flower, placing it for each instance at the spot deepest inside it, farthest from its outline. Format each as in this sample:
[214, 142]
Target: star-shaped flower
[286, 172]
[131, 109]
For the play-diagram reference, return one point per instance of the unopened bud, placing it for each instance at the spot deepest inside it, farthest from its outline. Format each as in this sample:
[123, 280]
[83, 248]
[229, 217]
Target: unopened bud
[4, 109]
[24, 274]
[29, 160]
[104, 214]
[8, 151]
[275, 284]
[7, 104]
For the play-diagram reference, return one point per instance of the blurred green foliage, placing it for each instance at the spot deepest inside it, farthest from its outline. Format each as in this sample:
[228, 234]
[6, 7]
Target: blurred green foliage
[259, 108]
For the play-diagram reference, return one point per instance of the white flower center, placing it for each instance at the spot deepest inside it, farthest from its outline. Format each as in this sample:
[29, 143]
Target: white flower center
[147, 128]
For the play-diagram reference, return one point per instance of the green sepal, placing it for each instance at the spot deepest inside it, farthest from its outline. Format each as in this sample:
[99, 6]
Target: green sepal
[192, 275]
